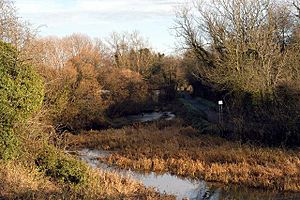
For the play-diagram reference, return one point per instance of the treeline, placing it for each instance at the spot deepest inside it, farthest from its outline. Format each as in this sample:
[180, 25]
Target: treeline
[48, 85]
[247, 51]
[88, 82]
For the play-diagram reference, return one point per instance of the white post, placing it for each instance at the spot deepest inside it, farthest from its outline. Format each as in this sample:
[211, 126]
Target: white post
[220, 103]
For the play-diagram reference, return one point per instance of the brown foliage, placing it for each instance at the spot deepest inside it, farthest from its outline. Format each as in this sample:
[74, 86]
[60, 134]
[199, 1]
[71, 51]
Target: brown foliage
[127, 91]
[85, 106]
[69, 66]
[23, 182]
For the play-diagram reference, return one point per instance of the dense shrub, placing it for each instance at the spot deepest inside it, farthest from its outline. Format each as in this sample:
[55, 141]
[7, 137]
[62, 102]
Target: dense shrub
[9, 143]
[21, 89]
[61, 167]
[21, 94]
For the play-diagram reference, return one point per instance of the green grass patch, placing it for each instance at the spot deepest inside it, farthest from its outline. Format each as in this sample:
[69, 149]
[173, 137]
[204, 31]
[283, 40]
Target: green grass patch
[61, 167]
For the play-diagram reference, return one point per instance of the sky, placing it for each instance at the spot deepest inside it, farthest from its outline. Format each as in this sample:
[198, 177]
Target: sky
[153, 19]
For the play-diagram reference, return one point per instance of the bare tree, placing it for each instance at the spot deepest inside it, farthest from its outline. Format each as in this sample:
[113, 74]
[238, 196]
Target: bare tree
[12, 28]
[130, 51]
[296, 4]
[239, 44]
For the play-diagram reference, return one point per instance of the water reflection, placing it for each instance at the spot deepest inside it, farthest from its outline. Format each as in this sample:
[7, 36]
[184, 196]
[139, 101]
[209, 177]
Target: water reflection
[147, 117]
[185, 188]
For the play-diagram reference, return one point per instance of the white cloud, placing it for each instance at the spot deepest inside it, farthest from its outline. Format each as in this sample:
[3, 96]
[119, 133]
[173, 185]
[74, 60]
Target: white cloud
[52, 6]
[93, 11]
[101, 16]
[37, 6]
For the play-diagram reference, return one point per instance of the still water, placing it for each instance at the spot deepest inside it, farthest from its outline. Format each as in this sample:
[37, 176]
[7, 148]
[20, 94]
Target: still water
[184, 188]
[152, 116]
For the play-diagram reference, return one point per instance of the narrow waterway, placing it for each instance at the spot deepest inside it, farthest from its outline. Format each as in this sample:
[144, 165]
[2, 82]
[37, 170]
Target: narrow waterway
[152, 116]
[184, 188]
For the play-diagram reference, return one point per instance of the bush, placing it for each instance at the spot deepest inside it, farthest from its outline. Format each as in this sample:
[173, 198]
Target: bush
[21, 93]
[9, 144]
[21, 89]
[61, 167]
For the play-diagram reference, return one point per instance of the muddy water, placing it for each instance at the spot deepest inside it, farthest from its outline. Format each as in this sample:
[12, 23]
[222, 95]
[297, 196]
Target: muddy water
[184, 188]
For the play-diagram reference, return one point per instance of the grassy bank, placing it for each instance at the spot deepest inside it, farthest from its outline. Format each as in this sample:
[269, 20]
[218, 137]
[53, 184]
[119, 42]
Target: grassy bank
[183, 152]
[44, 171]
[26, 182]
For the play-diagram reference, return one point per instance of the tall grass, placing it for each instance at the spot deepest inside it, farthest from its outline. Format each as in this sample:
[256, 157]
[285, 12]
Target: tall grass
[183, 152]
[19, 182]
[44, 171]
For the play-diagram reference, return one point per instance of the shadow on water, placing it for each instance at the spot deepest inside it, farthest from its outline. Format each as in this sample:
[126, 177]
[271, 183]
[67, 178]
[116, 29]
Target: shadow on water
[184, 188]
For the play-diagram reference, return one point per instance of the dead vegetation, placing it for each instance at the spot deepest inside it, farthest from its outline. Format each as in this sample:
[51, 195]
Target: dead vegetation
[182, 152]
[20, 182]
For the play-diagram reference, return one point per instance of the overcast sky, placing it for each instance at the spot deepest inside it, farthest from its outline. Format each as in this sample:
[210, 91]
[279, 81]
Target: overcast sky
[98, 18]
